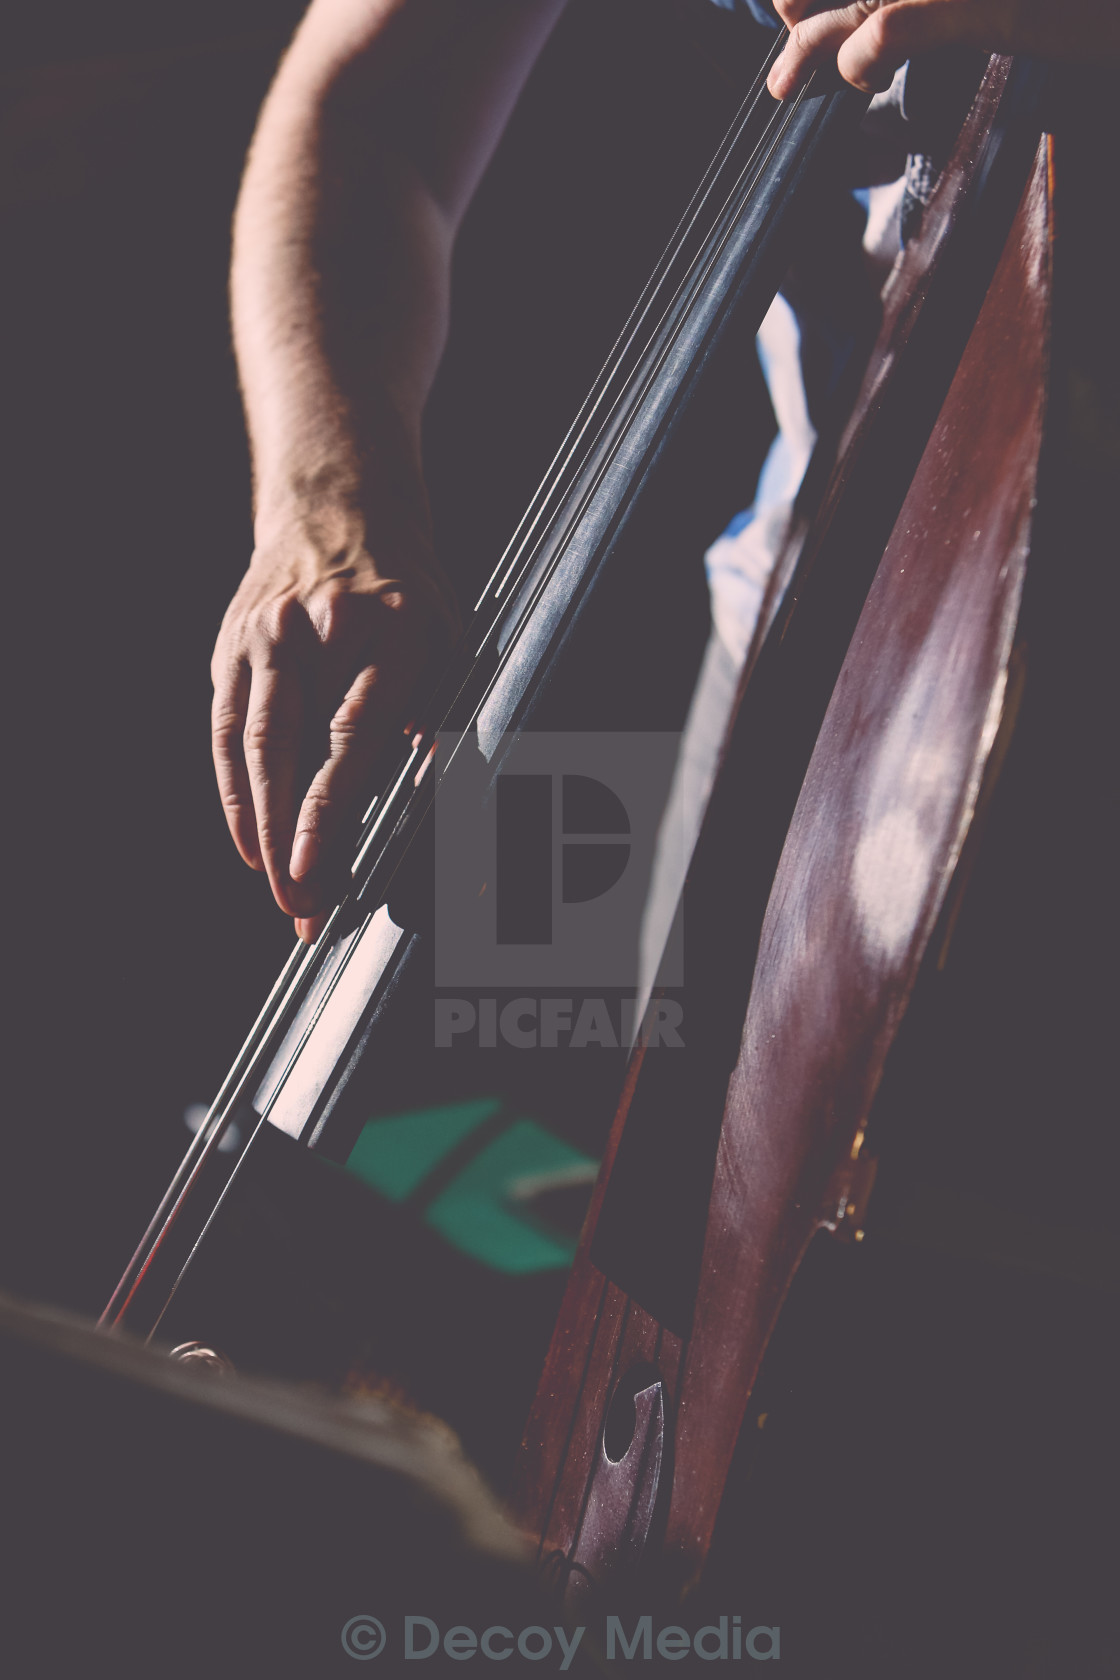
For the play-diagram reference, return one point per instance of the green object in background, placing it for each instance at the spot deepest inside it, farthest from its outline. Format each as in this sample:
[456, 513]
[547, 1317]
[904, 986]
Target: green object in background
[480, 1208]
[397, 1154]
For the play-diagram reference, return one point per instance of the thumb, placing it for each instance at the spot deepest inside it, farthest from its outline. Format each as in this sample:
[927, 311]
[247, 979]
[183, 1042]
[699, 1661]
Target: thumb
[815, 40]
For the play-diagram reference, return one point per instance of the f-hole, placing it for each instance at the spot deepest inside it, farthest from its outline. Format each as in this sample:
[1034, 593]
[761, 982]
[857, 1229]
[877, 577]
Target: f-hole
[621, 1419]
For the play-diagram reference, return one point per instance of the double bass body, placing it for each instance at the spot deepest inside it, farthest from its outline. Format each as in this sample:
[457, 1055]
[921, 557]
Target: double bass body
[866, 745]
[818, 890]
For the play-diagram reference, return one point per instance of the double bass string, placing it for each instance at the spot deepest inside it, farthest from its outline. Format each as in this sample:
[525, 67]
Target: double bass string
[627, 337]
[521, 555]
[567, 466]
[631, 397]
[694, 282]
[302, 964]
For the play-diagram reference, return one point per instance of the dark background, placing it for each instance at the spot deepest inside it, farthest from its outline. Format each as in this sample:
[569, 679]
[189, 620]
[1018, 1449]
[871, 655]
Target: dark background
[139, 947]
[938, 1451]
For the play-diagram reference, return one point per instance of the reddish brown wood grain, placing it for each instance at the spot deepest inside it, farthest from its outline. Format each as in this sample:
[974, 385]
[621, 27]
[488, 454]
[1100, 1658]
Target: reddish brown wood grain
[883, 813]
[594, 1376]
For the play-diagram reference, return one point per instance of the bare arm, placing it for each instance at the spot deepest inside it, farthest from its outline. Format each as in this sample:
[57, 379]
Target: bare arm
[378, 126]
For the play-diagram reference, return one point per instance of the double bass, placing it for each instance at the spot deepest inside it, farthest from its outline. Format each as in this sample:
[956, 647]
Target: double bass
[896, 701]
[922, 673]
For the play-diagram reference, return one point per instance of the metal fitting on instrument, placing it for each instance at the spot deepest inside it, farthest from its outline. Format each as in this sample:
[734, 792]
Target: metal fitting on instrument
[196, 1353]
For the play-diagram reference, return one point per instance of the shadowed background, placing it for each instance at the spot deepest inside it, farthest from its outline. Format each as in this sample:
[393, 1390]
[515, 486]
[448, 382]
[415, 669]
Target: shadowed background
[139, 948]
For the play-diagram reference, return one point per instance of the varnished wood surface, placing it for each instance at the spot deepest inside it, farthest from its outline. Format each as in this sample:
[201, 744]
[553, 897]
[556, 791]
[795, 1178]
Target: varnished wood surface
[882, 814]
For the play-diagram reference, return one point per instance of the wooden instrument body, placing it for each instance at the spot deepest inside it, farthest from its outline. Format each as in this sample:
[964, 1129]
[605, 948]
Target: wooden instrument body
[851, 779]
[722, 1167]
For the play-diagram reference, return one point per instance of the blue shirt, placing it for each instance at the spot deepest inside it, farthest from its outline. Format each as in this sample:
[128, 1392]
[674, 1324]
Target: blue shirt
[760, 10]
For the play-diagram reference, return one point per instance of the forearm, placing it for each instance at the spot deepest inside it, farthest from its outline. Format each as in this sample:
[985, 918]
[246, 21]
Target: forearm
[339, 297]
[378, 126]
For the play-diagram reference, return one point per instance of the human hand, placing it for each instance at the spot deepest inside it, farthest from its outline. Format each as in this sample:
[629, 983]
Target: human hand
[870, 39]
[316, 661]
